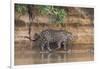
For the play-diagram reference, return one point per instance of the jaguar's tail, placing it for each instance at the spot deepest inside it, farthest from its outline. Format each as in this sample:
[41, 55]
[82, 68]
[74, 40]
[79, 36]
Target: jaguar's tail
[29, 38]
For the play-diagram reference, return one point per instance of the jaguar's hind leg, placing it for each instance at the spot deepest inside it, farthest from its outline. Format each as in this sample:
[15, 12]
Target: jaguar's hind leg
[59, 44]
[65, 47]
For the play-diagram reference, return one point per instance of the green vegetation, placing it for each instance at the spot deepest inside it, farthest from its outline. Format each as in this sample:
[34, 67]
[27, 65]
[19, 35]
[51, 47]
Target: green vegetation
[56, 14]
[21, 9]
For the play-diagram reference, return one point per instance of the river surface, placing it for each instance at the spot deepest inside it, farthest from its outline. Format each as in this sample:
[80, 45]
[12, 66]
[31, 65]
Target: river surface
[25, 54]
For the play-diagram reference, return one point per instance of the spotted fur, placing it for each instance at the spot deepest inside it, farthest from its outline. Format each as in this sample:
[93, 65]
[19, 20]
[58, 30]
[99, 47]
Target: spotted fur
[50, 36]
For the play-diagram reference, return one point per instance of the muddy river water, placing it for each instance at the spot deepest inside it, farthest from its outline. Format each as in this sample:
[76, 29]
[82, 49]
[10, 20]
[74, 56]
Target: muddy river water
[25, 54]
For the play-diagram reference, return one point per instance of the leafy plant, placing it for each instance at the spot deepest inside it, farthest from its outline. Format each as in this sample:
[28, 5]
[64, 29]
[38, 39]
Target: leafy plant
[21, 9]
[59, 15]
[56, 14]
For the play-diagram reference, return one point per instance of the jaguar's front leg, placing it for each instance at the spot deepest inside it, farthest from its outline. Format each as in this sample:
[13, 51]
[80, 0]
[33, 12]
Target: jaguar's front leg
[42, 47]
[48, 46]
